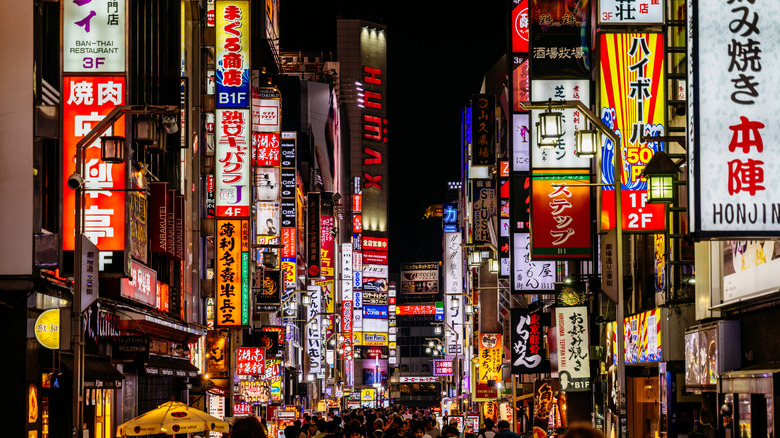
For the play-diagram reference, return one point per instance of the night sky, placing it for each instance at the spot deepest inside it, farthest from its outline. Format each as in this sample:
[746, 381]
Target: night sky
[436, 60]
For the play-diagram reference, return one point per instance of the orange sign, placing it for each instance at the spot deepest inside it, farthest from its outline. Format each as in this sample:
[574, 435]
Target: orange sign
[86, 101]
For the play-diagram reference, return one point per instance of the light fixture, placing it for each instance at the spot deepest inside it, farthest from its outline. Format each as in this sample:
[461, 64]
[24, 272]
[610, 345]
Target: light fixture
[310, 377]
[550, 123]
[332, 342]
[660, 173]
[437, 330]
[305, 299]
[454, 303]
[544, 143]
[145, 129]
[428, 350]
[499, 385]
[435, 352]
[340, 350]
[587, 143]
[493, 266]
[161, 144]
[170, 124]
[430, 344]
[112, 149]
[475, 258]
[187, 350]
[469, 309]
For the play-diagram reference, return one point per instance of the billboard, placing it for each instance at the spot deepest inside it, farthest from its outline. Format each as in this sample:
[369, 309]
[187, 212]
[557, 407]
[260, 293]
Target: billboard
[558, 197]
[732, 106]
[633, 104]
[643, 337]
[420, 278]
[86, 101]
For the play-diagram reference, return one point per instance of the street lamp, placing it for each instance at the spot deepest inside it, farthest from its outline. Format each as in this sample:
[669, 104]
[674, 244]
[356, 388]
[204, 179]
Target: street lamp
[587, 143]
[661, 173]
[618, 167]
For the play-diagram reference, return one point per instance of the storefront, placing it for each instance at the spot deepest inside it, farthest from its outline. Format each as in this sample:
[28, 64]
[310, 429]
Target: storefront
[748, 407]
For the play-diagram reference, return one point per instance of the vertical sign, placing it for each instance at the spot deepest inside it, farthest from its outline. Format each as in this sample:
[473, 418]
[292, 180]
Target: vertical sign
[453, 263]
[483, 130]
[633, 102]
[734, 119]
[483, 195]
[250, 361]
[529, 276]
[572, 331]
[490, 357]
[560, 212]
[454, 316]
[228, 273]
[87, 100]
[233, 163]
[233, 54]
[558, 45]
[313, 231]
[563, 154]
[93, 36]
[313, 335]
[528, 344]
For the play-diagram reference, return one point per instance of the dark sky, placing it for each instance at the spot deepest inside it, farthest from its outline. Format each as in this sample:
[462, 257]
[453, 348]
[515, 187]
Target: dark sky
[436, 60]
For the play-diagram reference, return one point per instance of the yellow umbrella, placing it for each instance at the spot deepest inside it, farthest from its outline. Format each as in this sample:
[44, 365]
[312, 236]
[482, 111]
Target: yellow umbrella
[172, 418]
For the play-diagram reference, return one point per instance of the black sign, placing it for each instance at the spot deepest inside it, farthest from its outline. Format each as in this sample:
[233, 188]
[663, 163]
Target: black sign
[287, 150]
[288, 183]
[268, 298]
[520, 193]
[375, 298]
[288, 213]
[528, 346]
[131, 348]
[268, 93]
[558, 49]
[483, 130]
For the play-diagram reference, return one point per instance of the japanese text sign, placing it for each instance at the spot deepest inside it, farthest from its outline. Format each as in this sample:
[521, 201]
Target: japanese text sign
[732, 129]
[631, 11]
[229, 292]
[250, 361]
[529, 275]
[490, 357]
[643, 337]
[233, 163]
[87, 100]
[483, 129]
[442, 367]
[528, 347]
[633, 102]
[233, 54]
[562, 155]
[93, 36]
[558, 198]
[313, 343]
[572, 343]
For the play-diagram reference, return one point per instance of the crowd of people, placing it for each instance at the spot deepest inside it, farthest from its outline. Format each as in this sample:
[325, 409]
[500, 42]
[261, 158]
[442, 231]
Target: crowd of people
[385, 423]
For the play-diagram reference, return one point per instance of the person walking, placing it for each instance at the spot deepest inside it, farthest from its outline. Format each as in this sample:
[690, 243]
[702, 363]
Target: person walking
[504, 430]
[487, 431]
[248, 427]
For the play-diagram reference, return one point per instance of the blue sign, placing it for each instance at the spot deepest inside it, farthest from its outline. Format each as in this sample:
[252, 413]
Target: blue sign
[357, 279]
[439, 311]
[449, 217]
[358, 303]
[375, 312]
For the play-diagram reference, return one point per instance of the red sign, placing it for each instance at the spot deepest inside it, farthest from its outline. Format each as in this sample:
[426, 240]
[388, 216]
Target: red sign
[142, 286]
[560, 214]
[374, 243]
[86, 101]
[357, 223]
[520, 27]
[288, 242]
[357, 203]
[427, 309]
[250, 361]
[346, 316]
[442, 367]
[242, 409]
[375, 257]
[265, 149]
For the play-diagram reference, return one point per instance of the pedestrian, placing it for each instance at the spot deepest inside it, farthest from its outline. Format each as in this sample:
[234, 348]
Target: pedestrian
[432, 428]
[378, 429]
[418, 430]
[487, 431]
[504, 432]
[450, 432]
[248, 427]
[582, 430]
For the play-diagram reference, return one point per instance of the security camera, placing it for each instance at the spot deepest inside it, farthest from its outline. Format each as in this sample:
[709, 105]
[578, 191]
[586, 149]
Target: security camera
[170, 124]
[75, 181]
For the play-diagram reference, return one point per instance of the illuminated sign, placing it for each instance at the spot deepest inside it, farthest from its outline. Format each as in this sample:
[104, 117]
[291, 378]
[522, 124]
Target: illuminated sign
[483, 127]
[442, 367]
[232, 304]
[558, 198]
[563, 154]
[93, 36]
[233, 163]
[374, 311]
[250, 361]
[86, 101]
[622, 12]
[490, 357]
[425, 309]
[572, 343]
[47, 329]
[633, 103]
[643, 337]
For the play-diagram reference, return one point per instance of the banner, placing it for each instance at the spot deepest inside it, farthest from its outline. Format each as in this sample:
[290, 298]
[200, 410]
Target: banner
[573, 344]
[420, 278]
[633, 104]
[528, 345]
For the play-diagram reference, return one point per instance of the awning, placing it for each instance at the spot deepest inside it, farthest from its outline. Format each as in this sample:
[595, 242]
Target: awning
[168, 366]
[98, 371]
[755, 379]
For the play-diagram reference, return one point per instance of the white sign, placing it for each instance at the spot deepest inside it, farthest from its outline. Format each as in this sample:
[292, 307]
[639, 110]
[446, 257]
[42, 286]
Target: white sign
[521, 139]
[735, 161]
[561, 156]
[93, 36]
[233, 163]
[346, 260]
[627, 12]
[529, 275]
[750, 268]
[313, 335]
[375, 271]
[573, 359]
[421, 379]
[453, 263]
[454, 315]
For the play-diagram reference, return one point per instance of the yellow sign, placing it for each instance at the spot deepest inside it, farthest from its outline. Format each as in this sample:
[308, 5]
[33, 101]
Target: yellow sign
[367, 394]
[370, 339]
[393, 345]
[229, 273]
[47, 329]
[490, 357]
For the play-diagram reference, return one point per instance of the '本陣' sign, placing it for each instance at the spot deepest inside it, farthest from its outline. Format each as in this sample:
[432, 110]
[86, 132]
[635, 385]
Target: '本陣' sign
[731, 125]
